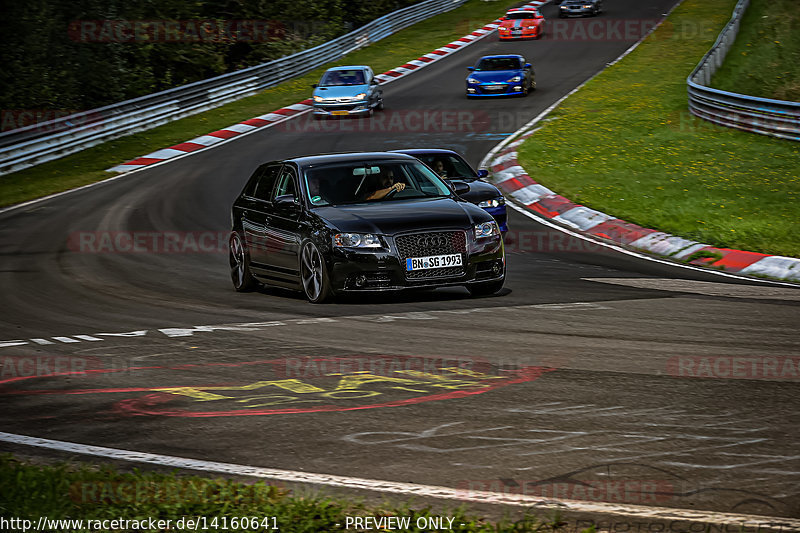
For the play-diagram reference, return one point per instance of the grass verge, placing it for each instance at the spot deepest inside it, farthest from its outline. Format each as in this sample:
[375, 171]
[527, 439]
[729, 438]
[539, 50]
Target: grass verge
[626, 144]
[765, 59]
[89, 165]
[63, 491]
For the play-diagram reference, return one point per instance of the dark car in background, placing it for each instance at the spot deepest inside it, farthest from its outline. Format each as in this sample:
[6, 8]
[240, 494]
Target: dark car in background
[501, 75]
[580, 8]
[452, 167]
[347, 91]
[378, 221]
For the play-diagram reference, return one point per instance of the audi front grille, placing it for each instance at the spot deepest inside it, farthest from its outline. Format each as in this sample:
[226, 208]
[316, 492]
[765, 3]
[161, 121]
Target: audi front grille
[433, 243]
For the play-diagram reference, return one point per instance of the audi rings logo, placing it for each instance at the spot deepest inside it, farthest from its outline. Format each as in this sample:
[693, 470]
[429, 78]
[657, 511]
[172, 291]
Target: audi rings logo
[432, 241]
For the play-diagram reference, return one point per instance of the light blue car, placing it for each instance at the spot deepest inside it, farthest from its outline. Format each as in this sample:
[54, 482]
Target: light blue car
[345, 91]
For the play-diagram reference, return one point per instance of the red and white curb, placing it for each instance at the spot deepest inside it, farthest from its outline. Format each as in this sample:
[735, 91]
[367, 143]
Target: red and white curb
[289, 112]
[515, 182]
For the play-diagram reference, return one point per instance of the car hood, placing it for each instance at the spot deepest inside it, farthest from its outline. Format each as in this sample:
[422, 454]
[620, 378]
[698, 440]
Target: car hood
[339, 91]
[494, 76]
[400, 216]
[479, 190]
[518, 23]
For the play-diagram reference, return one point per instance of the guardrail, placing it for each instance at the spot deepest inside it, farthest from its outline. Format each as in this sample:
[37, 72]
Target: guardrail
[34, 144]
[776, 118]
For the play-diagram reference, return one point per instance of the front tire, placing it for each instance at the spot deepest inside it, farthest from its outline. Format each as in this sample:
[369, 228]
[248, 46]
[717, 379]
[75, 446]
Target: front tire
[242, 278]
[314, 274]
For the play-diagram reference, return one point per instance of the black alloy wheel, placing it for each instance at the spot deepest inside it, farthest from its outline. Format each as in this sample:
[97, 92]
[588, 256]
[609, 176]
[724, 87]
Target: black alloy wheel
[243, 280]
[313, 274]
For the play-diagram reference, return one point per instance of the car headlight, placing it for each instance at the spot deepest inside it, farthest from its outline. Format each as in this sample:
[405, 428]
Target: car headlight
[360, 96]
[318, 98]
[472, 80]
[356, 240]
[515, 79]
[486, 229]
[505, 29]
[494, 202]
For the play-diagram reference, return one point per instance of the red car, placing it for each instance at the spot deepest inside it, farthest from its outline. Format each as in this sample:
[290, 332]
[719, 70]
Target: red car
[521, 24]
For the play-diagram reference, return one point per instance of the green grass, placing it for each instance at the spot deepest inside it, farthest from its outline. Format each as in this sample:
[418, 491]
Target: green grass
[765, 59]
[89, 165]
[65, 491]
[645, 159]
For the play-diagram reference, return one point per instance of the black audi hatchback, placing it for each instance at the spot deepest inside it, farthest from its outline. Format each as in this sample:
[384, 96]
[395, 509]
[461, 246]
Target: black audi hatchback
[378, 221]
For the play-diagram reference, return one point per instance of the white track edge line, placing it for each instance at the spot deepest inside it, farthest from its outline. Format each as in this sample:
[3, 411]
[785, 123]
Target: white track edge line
[408, 489]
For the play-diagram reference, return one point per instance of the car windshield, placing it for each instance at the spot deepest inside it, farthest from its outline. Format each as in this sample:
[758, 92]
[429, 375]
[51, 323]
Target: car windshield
[520, 16]
[498, 63]
[371, 181]
[448, 166]
[334, 78]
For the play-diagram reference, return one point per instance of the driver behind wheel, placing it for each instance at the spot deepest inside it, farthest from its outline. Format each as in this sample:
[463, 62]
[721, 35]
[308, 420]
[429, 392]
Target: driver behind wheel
[382, 185]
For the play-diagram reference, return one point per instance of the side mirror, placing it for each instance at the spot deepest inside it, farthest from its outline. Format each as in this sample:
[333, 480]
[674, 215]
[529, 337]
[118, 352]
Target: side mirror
[482, 173]
[460, 187]
[373, 82]
[286, 202]
[527, 65]
[314, 86]
[503, 18]
[470, 68]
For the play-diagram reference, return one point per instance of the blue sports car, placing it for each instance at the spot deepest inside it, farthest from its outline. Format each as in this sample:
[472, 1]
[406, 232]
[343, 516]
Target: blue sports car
[505, 75]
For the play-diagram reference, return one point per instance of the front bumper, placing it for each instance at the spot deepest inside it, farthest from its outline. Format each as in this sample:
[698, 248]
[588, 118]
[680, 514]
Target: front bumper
[335, 110]
[526, 34]
[495, 89]
[360, 271]
[576, 12]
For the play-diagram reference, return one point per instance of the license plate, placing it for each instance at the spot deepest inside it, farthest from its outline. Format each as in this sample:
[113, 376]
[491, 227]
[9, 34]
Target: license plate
[433, 261]
[495, 87]
[340, 112]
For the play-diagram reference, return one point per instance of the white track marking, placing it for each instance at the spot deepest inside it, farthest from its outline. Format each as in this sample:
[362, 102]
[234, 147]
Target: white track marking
[188, 331]
[765, 523]
[709, 288]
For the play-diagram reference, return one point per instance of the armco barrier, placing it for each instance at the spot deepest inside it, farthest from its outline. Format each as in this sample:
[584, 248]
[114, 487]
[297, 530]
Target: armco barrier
[34, 144]
[777, 118]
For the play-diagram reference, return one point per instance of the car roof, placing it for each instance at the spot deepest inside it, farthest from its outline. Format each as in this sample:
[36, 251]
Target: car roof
[419, 151]
[519, 10]
[305, 161]
[516, 56]
[349, 67]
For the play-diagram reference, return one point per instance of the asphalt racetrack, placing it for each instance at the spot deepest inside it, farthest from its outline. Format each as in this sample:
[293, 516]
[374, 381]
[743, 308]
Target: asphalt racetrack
[592, 368]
